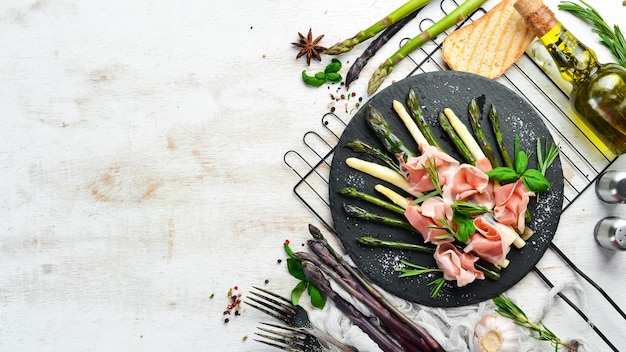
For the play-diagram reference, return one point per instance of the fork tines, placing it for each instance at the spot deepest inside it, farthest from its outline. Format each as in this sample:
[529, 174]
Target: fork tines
[273, 305]
[286, 339]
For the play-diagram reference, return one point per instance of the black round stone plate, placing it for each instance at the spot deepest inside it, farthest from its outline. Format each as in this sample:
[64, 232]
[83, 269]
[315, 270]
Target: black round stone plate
[438, 90]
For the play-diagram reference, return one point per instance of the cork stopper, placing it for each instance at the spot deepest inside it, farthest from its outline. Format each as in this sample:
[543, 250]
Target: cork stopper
[537, 15]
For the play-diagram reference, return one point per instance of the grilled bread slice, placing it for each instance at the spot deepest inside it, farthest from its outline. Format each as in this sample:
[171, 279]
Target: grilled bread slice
[490, 45]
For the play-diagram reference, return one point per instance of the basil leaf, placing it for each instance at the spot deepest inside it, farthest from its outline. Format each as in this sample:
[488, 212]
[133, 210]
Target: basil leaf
[334, 66]
[297, 291]
[318, 300]
[466, 228]
[535, 181]
[294, 267]
[313, 80]
[503, 173]
[334, 77]
[521, 162]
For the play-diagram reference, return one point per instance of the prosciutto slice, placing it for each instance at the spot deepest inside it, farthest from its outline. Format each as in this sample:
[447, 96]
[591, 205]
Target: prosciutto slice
[511, 201]
[470, 184]
[492, 240]
[457, 265]
[424, 217]
[413, 168]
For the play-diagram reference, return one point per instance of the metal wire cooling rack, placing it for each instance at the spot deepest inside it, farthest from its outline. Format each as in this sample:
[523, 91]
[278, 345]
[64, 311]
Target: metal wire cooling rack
[581, 160]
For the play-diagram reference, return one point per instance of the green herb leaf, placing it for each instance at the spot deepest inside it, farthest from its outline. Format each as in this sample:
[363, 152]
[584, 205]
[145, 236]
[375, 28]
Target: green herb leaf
[544, 161]
[503, 174]
[294, 267]
[466, 228]
[521, 162]
[318, 300]
[313, 80]
[535, 181]
[297, 291]
[333, 77]
[433, 173]
[334, 66]
[436, 286]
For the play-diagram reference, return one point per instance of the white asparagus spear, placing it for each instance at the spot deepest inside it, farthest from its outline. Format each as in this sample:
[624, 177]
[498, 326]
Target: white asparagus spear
[418, 136]
[383, 173]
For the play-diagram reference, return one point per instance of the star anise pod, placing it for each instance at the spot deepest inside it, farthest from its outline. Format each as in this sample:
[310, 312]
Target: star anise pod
[309, 47]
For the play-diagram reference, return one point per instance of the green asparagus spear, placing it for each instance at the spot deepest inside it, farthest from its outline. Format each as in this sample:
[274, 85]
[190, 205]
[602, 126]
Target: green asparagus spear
[363, 35]
[375, 242]
[494, 117]
[362, 147]
[457, 15]
[490, 270]
[381, 128]
[412, 101]
[363, 214]
[354, 193]
[456, 140]
[479, 133]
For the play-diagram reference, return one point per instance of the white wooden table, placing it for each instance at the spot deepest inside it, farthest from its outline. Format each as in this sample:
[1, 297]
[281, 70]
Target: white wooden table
[143, 178]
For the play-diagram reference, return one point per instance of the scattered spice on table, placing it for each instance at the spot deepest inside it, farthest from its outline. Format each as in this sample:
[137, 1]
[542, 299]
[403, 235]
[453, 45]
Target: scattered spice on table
[350, 102]
[234, 305]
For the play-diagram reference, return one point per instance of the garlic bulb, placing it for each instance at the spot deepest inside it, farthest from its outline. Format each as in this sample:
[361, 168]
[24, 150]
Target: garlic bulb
[494, 333]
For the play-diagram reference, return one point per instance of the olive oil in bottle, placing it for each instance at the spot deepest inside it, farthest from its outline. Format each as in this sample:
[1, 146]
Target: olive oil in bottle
[598, 95]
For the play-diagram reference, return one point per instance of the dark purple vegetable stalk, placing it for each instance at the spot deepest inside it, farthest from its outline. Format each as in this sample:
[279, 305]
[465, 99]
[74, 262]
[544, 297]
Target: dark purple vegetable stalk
[324, 261]
[368, 286]
[314, 274]
[376, 44]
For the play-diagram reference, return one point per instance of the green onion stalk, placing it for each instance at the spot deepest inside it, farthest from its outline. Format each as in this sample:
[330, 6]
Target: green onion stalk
[456, 16]
[363, 35]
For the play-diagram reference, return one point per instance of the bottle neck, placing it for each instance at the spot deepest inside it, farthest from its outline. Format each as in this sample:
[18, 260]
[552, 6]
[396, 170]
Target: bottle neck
[575, 60]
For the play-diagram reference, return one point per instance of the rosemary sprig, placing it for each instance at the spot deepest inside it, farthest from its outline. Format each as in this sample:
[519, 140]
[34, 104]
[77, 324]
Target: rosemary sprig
[437, 284]
[510, 310]
[611, 38]
[433, 173]
[545, 160]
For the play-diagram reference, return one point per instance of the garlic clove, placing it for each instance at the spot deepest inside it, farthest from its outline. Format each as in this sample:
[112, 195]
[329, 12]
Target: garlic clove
[494, 333]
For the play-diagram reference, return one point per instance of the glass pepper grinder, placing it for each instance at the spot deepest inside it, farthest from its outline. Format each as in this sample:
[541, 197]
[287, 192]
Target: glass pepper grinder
[598, 96]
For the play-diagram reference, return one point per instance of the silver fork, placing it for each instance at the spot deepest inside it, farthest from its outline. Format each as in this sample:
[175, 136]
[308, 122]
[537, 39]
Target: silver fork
[297, 320]
[289, 338]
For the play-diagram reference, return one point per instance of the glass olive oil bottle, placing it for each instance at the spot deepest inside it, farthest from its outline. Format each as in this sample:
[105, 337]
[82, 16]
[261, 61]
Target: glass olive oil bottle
[598, 96]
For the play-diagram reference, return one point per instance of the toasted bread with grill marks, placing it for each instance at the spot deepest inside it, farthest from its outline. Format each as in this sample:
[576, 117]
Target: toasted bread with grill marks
[490, 45]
